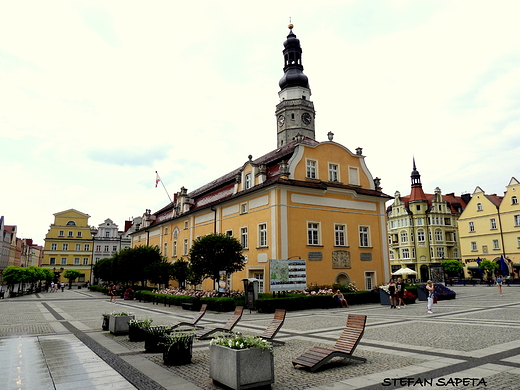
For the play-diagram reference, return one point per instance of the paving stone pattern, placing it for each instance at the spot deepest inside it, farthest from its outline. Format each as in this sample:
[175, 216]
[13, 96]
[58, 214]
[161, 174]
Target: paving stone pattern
[54, 341]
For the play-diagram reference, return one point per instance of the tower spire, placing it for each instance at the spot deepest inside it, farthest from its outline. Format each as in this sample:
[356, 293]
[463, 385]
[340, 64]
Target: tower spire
[417, 190]
[295, 112]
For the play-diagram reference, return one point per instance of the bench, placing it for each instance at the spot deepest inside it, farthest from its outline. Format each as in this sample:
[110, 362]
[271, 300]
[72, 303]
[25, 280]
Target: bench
[275, 325]
[202, 334]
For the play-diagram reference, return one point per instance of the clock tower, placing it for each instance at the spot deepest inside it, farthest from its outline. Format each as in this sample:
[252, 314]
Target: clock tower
[295, 113]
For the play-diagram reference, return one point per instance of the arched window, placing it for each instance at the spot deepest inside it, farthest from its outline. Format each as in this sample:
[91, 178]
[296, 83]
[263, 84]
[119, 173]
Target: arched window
[71, 223]
[479, 206]
[514, 199]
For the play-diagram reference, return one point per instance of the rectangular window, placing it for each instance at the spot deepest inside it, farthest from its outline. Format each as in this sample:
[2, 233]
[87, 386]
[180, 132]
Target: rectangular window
[364, 239]
[517, 220]
[369, 281]
[106, 248]
[471, 226]
[340, 235]
[353, 176]
[54, 247]
[52, 261]
[420, 236]
[493, 223]
[313, 233]
[85, 261]
[406, 253]
[107, 234]
[65, 247]
[419, 221]
[114, 248]
[311, 169]
[243, 208]
[260, 277]
[98, 248]
[262, 235]
[185, 224]
[185, 247]
[76, 261]
[63, 261]
[248, 181]
[473, 246]
[518, 242]
[71, 234]
[333, 172]
[79, 234]
[87, 247]
[495, 244]
[440, 253]
[78, 247]
[244, 237]
[229, 233]
[174, 254]
[165, 252]
[61, 233]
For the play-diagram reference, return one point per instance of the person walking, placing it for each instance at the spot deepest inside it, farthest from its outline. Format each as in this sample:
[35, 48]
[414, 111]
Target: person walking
[431, 293]
[498, 281]
[391, 290]
[62, 286]
[112, 293]
[400, 293]
[341, 298]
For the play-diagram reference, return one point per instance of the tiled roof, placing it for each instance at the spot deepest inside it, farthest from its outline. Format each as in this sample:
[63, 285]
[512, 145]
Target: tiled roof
[453, 201]
[495, 199]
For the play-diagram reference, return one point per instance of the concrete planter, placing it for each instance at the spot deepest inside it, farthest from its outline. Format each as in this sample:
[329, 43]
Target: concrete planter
[241, 368]
[119, 324]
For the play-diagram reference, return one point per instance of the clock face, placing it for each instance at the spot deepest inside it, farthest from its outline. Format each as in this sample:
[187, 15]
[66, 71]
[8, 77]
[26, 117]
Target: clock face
[306, 118]
[281, 120]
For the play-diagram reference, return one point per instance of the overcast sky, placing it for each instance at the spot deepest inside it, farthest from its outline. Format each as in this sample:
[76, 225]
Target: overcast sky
[95, 96]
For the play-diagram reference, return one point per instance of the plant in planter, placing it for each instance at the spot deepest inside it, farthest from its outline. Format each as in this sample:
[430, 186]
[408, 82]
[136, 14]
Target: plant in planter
[137, 327]
[118, 323]
[153, 336]
[106, 318]
[177, 347]
[241, 361]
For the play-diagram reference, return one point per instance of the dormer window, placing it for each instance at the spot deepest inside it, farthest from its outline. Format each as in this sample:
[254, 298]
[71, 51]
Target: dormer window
[248, 181]
[514, 200]
[479, 206]
[311, 169]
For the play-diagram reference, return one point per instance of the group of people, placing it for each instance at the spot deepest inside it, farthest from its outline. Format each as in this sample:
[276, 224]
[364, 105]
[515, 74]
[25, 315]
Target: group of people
[53, 287]
[396, 291]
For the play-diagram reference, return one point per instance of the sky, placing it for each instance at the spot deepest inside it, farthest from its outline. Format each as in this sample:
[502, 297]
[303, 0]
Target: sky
[96, 96]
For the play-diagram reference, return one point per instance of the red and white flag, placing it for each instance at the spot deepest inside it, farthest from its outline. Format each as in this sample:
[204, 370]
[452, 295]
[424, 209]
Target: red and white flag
[157, 179]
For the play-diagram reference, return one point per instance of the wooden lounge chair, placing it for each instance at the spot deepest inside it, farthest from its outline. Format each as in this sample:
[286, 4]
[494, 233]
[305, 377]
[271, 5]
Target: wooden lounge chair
[202, 334]
[194, 321]
[316, 357]
[275, 325]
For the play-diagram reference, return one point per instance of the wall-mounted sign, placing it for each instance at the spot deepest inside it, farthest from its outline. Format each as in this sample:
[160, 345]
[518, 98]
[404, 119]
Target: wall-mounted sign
[287, 275]
[365, 256]
[315, 256]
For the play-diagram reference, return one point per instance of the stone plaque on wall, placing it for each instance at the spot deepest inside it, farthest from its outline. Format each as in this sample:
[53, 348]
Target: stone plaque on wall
[341, 259]
[365, 256]
[315, 256]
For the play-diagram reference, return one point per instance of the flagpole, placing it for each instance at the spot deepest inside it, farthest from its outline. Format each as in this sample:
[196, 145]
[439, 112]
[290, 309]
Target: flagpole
[159, 178]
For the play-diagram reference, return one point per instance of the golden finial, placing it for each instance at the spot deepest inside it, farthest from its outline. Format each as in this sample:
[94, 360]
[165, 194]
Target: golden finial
[290, 24]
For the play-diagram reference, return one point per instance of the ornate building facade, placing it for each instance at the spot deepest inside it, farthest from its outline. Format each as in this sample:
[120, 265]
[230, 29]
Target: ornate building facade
[315, 201]
[422, 229]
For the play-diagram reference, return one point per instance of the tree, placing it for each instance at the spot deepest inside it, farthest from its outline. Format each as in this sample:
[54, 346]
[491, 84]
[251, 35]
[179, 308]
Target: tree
[134, 264]
[214, 253]
[180, 271]
[488, 267]
[452, 267]
[72, 275]
[159, 272]
[104, 269]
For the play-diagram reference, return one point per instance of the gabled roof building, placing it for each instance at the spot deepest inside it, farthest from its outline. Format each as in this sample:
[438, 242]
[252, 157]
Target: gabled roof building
[310, 200]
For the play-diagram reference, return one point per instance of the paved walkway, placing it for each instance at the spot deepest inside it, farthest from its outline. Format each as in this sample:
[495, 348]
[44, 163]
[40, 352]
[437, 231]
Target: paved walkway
[54, 341]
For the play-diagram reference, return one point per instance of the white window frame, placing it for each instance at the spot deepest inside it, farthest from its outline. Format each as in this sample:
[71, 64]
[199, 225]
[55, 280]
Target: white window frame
[313, 233]
[85, 261]
[404, 237]
[185, 247]
[479, 207]
[312, 169]
[517, 220]
[87, 247]
[474, 246]
[76, 261]
[471, 226]
[421, 236]
[78, 247]
[63, 261]
[340, 234]
[493, 223]
[243, 208]
[54, 247]
[514, 199]
[262, 235]
[440, 252]
[64, 247]
[333, 172]
[174, 253]
[71, 233]
[406, 253]
[248, 180]
[364, 236]
[52, 260]
[244, 237]
[496, 244]
[438, 235]
[79, 234]
[107, 248]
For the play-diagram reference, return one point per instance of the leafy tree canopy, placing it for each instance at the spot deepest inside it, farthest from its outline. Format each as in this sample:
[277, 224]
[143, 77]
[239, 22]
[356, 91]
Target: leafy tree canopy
[452, 266]
[214, 253]
[71, 274]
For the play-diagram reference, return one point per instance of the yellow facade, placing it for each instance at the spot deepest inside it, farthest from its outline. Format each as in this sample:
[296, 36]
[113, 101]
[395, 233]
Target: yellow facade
[490, 228]
[274, 221]
[68, 245]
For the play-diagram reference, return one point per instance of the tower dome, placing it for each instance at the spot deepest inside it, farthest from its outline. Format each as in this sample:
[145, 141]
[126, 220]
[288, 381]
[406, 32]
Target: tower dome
[293, 68]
